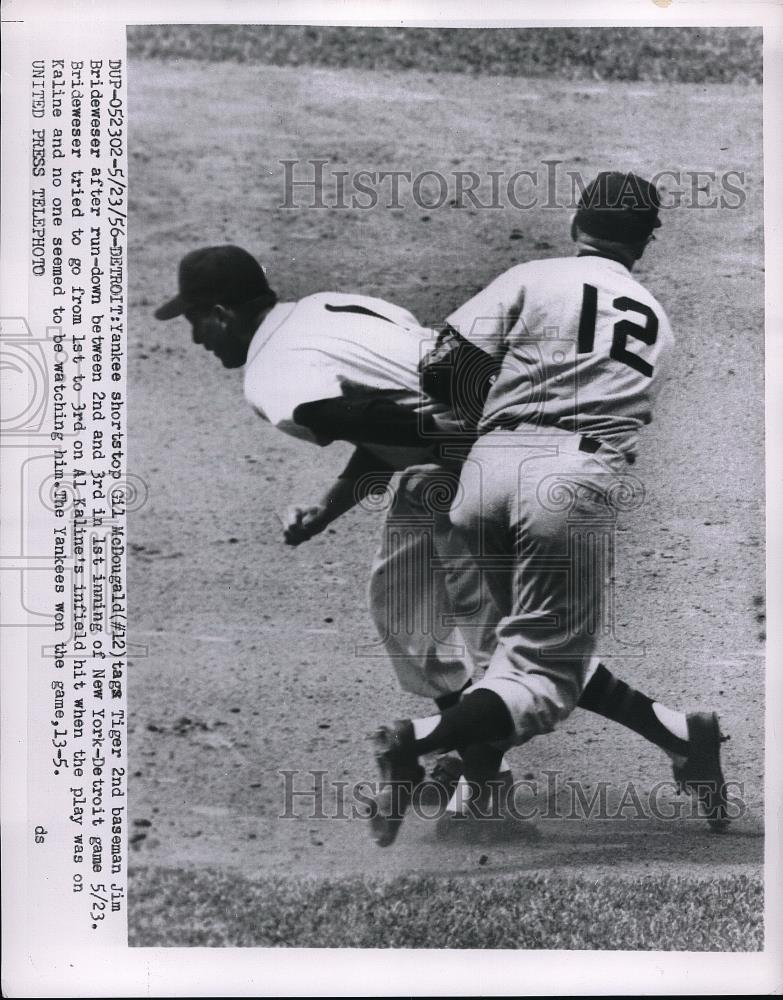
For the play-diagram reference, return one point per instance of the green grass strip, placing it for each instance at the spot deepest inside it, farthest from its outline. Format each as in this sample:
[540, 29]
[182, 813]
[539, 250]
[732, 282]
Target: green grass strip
[209, 907]
[675, 54]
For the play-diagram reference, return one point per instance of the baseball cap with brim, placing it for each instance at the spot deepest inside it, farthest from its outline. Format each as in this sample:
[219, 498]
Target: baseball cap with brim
[617, 206]
[225, 275]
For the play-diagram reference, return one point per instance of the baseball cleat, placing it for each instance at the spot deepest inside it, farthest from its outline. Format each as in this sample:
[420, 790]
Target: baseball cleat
[441, 783]
[400, 773]
[701, 774]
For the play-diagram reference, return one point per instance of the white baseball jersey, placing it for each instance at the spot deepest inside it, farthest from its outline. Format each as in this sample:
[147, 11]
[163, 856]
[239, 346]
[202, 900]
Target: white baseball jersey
[582, 345]
[330, 345]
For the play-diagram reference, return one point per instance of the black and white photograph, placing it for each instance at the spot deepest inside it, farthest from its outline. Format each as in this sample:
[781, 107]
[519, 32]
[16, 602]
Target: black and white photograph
[391, 488]
[446, 361]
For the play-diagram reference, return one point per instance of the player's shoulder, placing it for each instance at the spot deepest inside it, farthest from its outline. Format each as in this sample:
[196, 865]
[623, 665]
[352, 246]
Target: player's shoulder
[540, 269]
[521, 276]
[645, 294]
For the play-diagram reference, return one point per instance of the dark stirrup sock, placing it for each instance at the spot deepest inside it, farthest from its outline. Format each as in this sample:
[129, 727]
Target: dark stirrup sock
[445, 701]
[612, 698]
[481, 717]
[481, 761]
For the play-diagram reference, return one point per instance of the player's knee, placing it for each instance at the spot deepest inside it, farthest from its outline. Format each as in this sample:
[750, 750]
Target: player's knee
[472, 507]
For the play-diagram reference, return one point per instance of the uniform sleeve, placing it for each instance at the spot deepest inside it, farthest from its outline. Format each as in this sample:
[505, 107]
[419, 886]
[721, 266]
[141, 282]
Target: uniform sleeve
[366, 420]
[486, 319]
[276, 385]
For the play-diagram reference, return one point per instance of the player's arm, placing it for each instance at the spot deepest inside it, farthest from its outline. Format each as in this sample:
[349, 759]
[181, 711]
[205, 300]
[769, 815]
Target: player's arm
[370, 419]
[488, 318]
[469, 353]
[459, 375]
[363, 473]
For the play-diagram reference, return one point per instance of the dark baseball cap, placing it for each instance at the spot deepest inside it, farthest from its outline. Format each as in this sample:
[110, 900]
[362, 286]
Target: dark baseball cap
[620, 207]
[225, 275]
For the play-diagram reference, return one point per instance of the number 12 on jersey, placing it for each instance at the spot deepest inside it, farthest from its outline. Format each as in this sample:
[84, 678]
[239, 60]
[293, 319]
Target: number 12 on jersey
[621, 331]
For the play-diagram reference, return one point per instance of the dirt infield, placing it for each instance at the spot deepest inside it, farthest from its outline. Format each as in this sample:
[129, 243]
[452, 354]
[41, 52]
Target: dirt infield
[252, 657]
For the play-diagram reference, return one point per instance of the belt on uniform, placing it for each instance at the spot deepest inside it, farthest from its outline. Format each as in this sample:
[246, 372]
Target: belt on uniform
[592, 445]
[589, 444]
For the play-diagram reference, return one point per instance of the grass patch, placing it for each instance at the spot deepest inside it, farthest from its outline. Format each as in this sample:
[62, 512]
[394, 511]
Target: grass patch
[210, 907]
[679, 54]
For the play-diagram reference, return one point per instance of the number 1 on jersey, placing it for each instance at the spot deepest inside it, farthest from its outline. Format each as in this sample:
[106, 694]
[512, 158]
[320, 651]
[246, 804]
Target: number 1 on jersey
[587, 318]
[621, 331]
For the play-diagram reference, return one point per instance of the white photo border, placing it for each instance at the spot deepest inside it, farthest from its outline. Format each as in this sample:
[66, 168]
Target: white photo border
[44, 968]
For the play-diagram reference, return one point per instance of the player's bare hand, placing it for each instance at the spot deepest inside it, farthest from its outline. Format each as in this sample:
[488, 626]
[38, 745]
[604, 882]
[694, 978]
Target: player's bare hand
[301, 523]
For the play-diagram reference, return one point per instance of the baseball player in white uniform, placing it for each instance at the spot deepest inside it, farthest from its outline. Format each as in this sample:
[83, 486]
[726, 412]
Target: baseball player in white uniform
[581, 346]
[331, 367]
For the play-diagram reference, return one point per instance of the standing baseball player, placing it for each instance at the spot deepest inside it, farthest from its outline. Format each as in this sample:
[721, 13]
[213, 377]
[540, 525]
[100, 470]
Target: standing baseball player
[581, 346]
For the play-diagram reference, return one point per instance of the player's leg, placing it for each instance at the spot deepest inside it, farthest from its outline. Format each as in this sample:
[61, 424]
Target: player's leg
[692, 741]
[409, 603]
[535, 675]
[406, 592]
[476, 600]
[480, 717]
[612, 698]
[481, 597]
[407, 597]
